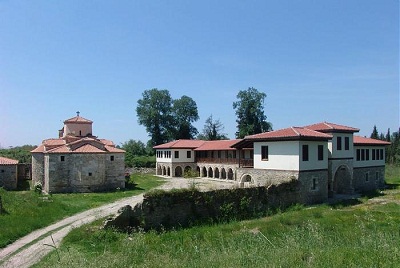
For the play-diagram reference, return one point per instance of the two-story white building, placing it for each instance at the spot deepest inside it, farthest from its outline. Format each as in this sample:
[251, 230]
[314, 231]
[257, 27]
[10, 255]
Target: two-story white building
[325, 158]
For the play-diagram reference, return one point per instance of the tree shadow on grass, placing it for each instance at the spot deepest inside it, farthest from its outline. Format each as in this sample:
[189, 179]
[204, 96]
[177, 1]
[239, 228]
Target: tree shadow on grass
[336, 204]
[392, 186]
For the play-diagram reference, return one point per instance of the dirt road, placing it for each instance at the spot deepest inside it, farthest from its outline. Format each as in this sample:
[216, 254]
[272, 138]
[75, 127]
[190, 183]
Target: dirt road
[29, 249]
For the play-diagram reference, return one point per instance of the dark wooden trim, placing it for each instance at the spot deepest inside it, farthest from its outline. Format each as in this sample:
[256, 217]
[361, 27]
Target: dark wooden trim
[341, 158]
[369, 167]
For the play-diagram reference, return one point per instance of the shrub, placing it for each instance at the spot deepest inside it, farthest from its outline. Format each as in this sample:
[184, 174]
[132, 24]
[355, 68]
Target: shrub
[38, 187]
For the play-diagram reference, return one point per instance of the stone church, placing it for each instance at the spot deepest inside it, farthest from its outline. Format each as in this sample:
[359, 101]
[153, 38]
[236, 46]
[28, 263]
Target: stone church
[77, 161]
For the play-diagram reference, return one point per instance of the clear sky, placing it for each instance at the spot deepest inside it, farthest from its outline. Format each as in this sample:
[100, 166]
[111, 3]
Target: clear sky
[330, 60]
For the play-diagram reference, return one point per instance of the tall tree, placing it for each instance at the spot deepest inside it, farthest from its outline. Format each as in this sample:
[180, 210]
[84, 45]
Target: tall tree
[250, 113]
[154, 112]
[184, 111]
[212, 130]
[375, 134]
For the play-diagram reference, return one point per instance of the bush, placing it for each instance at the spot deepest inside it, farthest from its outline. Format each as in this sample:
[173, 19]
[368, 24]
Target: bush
[38, 187]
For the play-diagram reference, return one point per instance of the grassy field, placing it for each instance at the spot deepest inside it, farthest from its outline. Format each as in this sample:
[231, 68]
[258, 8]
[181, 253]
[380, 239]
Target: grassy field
[26, 211]
[361, 233]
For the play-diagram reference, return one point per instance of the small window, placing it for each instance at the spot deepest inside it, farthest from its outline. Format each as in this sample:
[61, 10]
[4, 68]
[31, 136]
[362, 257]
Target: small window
[189, 154]
[111, 158]
[62, 158]
[373, 154]
[314, 184]
[367, 154]
[219, 154]
[2, 171]
[381, 154]
[377, 154]
[339, 143]
[234, 154]
[358, 154]
[362, 154]
[367, 176]
[90, 174]
[320, 152]
[264, 153]
[346, 143]
[176, 154]
[305, 152]
[377, 176]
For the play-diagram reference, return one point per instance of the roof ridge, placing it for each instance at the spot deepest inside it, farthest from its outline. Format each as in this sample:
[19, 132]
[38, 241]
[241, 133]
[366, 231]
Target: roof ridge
[295, 131]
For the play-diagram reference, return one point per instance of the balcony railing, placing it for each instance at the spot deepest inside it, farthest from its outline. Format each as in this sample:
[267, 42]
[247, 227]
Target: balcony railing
[246, 163]
[217, 160]
[242, 163]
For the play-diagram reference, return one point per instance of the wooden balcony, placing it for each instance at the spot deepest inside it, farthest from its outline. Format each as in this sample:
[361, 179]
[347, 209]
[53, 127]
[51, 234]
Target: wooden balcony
[217, 160]
[245, 163]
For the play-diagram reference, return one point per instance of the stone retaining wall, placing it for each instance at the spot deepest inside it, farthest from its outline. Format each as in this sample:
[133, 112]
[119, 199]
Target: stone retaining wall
[181, 208]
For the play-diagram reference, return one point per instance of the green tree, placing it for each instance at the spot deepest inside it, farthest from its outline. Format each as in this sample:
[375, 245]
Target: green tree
[375, 134]
[250, 113]
[154, 112]
[212, 130]
[20, 153]
[184, 111]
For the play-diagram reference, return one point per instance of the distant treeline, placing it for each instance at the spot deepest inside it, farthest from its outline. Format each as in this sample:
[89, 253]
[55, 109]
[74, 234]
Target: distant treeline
[393, 150]
[20, 153]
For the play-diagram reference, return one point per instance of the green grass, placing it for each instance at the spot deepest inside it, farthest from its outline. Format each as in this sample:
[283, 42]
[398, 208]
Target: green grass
[358, 234]
[26, 211]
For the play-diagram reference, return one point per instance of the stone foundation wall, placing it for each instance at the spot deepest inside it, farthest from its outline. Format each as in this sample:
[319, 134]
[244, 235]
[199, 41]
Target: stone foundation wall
[8, 177]
[185, 207]
[375, 180]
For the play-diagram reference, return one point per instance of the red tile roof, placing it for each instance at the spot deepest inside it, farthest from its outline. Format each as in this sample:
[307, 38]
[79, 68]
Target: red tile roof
[79, 145]
[180, 144]
[7, 161]
[39, 149]
[290, 133]
[219, 145]
[359, 141]
[78, 120]
[113, 149]
[88, 148]
[330, 128]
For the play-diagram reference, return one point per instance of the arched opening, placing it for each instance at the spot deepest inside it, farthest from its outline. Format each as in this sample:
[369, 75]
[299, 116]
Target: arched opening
[198, 171]
[204, 174]
[216, 173]
[230, 174]
[159, 170]
[164, 171]
[178, 171]
[210, 172]
[342, 180]
[247, 178]
[168, 171]
[188, 171]
[223, 174]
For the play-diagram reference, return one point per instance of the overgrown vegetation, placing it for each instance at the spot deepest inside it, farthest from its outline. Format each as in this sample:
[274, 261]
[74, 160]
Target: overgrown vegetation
[20, 153]
[25, 211]
[348, 234]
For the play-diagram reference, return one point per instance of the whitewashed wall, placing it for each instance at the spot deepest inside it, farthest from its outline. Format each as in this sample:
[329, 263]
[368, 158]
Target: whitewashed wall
[370, 162]
[313, 163]
[283, 155]
[332, 145]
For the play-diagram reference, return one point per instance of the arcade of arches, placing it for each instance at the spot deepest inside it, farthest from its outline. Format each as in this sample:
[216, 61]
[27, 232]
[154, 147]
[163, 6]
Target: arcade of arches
[224, 173]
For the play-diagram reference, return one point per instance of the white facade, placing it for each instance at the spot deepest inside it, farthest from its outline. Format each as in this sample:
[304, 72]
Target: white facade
[288, 155]
[369, 156]
[341, 145]
[175, 156]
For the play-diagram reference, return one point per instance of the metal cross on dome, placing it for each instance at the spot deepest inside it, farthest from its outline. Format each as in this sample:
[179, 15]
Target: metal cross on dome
[77, 113]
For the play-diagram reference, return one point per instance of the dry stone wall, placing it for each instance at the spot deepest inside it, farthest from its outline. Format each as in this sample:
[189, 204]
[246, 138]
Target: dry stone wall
[181, 208]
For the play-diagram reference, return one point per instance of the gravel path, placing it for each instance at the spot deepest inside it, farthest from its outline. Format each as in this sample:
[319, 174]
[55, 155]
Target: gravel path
[29, 249]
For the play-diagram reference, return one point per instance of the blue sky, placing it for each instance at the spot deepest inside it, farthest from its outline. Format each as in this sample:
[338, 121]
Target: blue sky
[331, 60]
